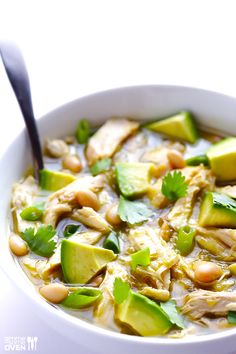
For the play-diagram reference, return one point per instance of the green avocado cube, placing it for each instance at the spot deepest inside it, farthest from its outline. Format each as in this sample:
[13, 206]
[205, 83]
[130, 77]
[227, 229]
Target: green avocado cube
[180, 126]
[143, 315]
[54, 180]
[217, 210]
[80, 262]
[222, 157]
[133, 178]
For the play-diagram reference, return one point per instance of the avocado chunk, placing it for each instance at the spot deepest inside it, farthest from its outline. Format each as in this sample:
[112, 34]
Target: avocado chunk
[133, 178]
[143, 315]
[180, 126]
[217, 210]
[222, 157]
[54, 180]
[80, 262]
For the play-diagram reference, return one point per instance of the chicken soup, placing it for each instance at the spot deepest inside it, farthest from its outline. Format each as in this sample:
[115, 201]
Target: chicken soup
[133, 227]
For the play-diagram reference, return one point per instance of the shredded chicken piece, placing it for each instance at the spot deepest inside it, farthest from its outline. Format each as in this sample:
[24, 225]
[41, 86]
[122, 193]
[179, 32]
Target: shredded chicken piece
[23, 195]
[88, 237]
[140, 238]
[182, 209]
[54, 212]
[63, 200]
[185, 266]
[24, 192]
[104, 311]
[204, 302]
[227, 236]
[155, 294]
[197, 178]
[163, 256]
[145, 236]
[107, 139]
[44, 269]
[69, 193]
[132, 149]
[220, 242]
[214, 324]
[91, 218]
[159, 157]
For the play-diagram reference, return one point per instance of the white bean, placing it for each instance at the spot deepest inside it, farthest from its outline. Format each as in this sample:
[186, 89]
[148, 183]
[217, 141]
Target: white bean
[207, 272]
[112, 215]
[17, 245]
[56, 148]
[54, 292]
[176, 159]
[72, 163]
[87, 198]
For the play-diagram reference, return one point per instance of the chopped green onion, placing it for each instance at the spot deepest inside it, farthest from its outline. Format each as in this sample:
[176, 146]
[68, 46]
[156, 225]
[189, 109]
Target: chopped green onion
[232, 317]
[121, 290]
[100, 166]
[141, 258]
[112, 243]
[185, 240]
[197, 160]
[31, 213]
[83, 131]
[81, 298]
[70, 230]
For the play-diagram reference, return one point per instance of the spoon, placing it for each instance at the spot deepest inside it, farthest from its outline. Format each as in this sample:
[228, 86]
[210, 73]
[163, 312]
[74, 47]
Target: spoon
[17, 74]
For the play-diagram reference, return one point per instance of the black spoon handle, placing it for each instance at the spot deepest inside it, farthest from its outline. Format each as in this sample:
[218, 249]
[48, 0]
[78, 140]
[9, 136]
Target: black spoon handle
[17, 73]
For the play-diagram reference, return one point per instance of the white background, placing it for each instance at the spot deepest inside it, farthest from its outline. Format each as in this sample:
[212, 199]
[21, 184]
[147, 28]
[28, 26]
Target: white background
[73, 48]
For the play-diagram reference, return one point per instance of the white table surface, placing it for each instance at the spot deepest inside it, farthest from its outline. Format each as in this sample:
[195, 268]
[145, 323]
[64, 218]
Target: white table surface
[73, 48]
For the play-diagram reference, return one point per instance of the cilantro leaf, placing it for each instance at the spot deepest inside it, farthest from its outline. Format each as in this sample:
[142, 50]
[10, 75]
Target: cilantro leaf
[170, 309]
[174, 186]
[100, 166]
[121, 290]
[232, 317]
[40, 242]
[141, 258]
[133, 212]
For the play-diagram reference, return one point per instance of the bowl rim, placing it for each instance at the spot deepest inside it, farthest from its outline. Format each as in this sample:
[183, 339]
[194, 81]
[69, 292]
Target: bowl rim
[80, 323]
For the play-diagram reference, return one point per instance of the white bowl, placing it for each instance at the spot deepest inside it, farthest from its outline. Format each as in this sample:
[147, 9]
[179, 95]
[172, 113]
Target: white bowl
[211, 109]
